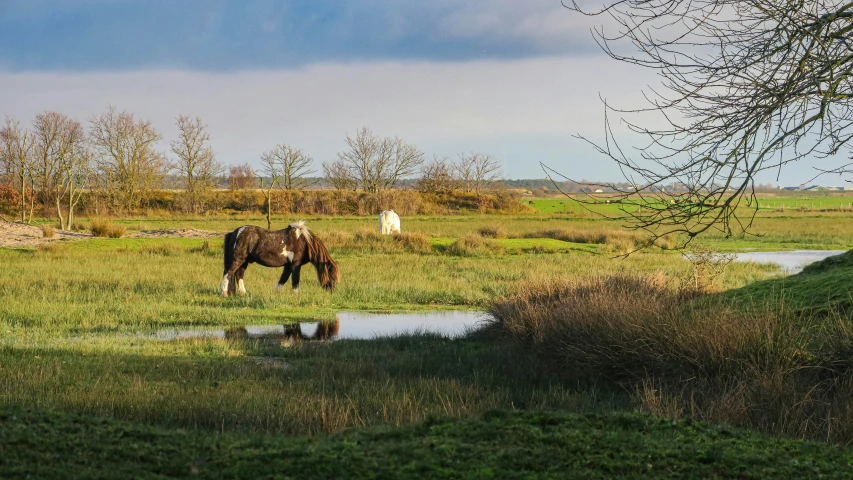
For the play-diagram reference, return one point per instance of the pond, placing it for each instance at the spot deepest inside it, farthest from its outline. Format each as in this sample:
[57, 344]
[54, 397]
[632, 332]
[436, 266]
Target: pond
[347, 325]
[791, 262]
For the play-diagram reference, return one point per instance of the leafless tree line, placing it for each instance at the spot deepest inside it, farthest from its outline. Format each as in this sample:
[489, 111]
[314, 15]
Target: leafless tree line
[57, 158]
[471, 172]
[747, 87]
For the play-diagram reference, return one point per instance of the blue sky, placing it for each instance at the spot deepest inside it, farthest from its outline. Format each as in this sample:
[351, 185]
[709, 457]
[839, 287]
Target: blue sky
[512, 78]
[221, 35]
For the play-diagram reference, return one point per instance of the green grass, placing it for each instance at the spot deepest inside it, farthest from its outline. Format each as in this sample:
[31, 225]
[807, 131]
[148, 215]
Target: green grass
[821, 288]
[110, 285]
[292, 388]
[73, 320]
[44, 444]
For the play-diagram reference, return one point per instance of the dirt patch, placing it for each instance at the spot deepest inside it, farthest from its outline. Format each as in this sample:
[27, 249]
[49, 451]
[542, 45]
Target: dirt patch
[176, 233]
[20, 235]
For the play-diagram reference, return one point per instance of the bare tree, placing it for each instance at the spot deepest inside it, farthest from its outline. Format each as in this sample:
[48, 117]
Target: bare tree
[17, 153]
[271, 173]
[54, 139]
[75, 172]
[375, 163]
[747, 87]
[337, 173]
[241, 177]
[126, 156]
[196, 162]
[486, 171]
[292, 163]
[463, 172]
[436, 176]
[476, 171]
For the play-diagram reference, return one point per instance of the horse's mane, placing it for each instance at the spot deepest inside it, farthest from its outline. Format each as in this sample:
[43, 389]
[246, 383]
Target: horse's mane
[302, 230]
[328, 273]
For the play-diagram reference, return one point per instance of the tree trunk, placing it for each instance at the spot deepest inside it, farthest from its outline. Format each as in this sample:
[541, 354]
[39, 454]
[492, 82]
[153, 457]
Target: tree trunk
[32, 198]
[23, 195]
[62, 225]
[269, 208]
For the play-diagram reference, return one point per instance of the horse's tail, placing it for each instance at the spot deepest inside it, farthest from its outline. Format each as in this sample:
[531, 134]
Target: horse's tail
[328, 273]
[228, 260]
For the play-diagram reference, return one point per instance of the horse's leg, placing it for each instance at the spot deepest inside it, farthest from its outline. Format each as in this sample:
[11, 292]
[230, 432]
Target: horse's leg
[227, 285]
[238, 276]
[295, 280]
[285, 274]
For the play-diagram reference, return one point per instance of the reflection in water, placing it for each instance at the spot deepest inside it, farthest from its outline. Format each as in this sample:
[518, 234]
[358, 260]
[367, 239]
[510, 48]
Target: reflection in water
[790, 262]
[347, 325]
[289, 332]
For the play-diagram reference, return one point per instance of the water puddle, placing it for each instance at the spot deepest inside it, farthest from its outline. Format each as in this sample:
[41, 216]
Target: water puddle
[347, 325]
[791, 262]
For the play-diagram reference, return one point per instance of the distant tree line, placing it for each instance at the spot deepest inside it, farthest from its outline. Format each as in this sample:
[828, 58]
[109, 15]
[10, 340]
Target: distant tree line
[47, 166]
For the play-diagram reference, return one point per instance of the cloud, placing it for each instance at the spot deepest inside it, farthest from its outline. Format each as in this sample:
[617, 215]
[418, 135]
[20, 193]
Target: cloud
[527, 108]
[217, 35]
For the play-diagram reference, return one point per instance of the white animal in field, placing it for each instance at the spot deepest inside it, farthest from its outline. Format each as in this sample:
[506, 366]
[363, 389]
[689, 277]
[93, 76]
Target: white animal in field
[389, 222]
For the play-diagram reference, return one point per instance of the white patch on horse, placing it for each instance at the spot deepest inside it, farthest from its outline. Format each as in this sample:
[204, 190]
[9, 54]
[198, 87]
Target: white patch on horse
[301, 230]
[239, 230]
[224, 287]
[286, 253]
[241, 287]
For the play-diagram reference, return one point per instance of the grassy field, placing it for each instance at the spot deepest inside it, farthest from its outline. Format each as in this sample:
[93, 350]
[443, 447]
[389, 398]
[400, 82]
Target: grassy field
[590, 205]
[493, 445]
[74, 315]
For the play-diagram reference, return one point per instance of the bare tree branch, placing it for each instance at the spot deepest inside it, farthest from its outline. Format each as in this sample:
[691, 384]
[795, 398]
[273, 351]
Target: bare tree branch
[747, 87]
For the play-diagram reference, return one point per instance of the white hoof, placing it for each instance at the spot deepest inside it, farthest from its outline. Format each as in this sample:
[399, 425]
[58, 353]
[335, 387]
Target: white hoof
[278, 287]
[223, 288]
[241, 287]
[295, 290]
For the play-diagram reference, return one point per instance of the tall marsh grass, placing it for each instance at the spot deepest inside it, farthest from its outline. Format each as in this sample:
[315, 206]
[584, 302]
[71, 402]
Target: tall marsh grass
[682, 355]
[106, 229]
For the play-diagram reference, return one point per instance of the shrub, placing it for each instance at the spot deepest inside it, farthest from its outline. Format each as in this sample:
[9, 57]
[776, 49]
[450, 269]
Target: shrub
[492, 231]
[473, 245]
[682, 353]
[370, 241]
[415, 242]
[103, 228]
[47, 231]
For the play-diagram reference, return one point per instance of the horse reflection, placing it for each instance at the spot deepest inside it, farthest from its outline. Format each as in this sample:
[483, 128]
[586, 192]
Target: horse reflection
[292, 332]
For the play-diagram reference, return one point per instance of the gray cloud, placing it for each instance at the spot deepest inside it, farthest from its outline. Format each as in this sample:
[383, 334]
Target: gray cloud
[526, 109]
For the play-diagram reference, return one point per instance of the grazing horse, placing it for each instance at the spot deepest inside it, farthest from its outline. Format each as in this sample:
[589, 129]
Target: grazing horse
[389, 222]
[291, 248]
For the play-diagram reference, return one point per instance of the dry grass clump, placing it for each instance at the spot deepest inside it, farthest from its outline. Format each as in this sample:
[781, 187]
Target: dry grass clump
[104, 229]
[602, 236]
[52, 248]
[472, 245]
[48, 231]
[767, 369]
[373, 242]
[492, 231]
[165, 249]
